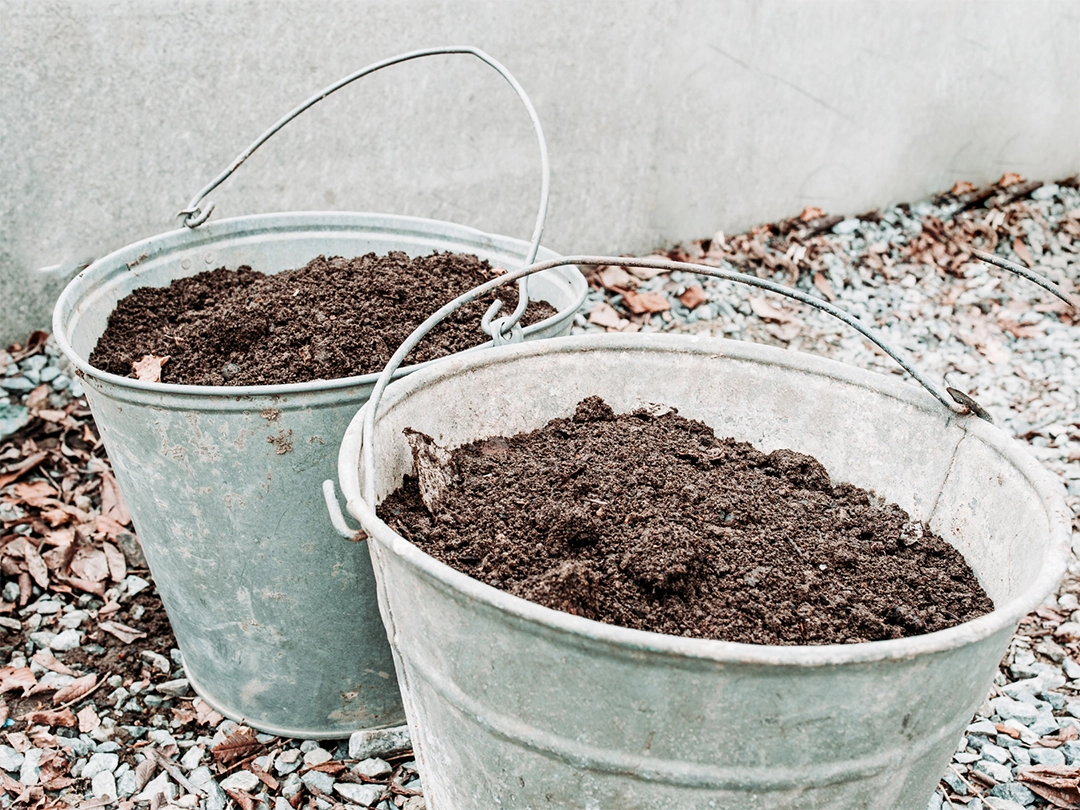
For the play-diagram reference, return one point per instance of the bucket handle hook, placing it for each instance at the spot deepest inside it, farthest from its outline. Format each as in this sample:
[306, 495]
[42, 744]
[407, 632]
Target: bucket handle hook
[194, 215]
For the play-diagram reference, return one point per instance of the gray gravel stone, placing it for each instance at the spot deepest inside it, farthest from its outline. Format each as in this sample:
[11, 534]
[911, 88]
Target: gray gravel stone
[319, 781]
[1009, 709]
[126, 784]
[175, 688]
[288, 761]
[100, 763]
[291, 786]
[372, 768]
[995, 753]
[104, 784]
[1003, 802]
[363, 795]
[378, 742]
[1047, 756]
[30, 771]
[317, 756]
[192, 758]
[999, 773]
[10, 759]
[240, 780]
[955, 783]
[159, 784]
[66, 640]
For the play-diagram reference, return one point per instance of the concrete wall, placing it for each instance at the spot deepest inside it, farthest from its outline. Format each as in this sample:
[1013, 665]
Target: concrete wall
[666, 120]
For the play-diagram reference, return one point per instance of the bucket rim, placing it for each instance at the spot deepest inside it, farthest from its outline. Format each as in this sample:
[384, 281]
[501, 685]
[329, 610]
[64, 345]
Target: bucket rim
[577, 629]
[184, 238]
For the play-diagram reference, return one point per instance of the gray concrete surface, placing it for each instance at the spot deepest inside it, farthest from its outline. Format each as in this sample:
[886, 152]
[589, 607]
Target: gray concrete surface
[667, 119]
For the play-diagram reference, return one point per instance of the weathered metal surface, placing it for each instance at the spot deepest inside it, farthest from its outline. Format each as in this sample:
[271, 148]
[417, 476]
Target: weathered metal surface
[275, 613]
[513, 705]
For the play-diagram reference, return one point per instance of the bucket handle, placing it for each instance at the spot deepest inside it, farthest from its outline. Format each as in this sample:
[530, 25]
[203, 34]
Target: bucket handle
[956, 401]
[499, 329]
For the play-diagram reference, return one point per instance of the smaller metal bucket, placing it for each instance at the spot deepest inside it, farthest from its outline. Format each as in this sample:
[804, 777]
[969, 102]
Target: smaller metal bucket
[513, 705]
[274, 613]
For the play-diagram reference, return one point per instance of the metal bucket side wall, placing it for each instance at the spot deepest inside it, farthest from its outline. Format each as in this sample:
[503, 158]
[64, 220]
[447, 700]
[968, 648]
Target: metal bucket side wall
[607, 726]
[275, 614]
[273, 611]
[466, 651]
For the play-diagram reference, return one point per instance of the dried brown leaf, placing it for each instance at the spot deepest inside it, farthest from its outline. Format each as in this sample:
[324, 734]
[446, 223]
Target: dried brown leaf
[30, 463]
[237, 746]
[116, 561]
[1023, 252]
[264, 777]
[76, 689]
[148, 369]
[605, 315]
[641, 303]
[615, 279]
[21, 678]
[48, 660]
[122, 631]
[1010, 179]
[824, 287]
[693, 297]
[766, 311]
[242, 799]
[88, 719]
[112, 500]
[810, 213]
[962, 187]
[144, 772]
[90, 564]
[58, 717]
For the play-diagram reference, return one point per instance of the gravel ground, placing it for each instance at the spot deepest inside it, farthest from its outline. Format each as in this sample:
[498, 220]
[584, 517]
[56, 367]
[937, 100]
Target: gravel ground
[96, 708]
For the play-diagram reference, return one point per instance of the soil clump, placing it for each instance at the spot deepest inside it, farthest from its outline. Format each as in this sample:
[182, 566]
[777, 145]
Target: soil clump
[331, 318]
[648, 520]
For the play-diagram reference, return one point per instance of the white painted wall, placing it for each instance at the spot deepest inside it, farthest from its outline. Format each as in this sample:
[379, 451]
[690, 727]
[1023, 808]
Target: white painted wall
[666, 119]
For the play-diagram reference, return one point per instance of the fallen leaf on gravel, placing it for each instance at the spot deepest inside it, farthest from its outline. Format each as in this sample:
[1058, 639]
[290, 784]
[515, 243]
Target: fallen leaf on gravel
[237, 746]
[694, 297]
[122, 631]
[4, 712]
[646, 273]
[149, 368]
[28, 464]
[245, 801]
[810, 213]
[144, 772]
[34, 493]
[766, 311]
[21, 678]
[48, 660]
[1010, 179]
[640, 303]
[60, 717]
[606, 315]
[76, 689]
[1023, 252]
[38, 397]
[615, 278]
[266, 778]
[824, 287]
[962, 187]
[112, 500]
[1058, 784]
[90, 564]
[204, 714]
[88, 719]
[115, 558]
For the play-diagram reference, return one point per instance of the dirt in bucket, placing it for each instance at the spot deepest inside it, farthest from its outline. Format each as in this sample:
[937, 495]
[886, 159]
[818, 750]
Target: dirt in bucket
[331, 318]
[648, 520]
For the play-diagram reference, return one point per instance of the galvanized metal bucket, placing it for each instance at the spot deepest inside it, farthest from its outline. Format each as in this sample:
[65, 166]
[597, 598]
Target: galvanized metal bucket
[274, 613]
[513, 705]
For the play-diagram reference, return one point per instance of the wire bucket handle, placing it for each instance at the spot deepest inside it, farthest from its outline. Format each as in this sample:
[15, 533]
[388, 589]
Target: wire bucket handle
[955, 400]
[194, 215]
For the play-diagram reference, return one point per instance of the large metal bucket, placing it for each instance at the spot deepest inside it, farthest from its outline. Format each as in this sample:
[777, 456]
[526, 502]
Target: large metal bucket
[274, 613]
[513, 705]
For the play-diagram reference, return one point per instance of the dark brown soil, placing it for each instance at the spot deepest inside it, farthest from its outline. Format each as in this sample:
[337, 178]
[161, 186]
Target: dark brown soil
[651, 522]
[331, 318]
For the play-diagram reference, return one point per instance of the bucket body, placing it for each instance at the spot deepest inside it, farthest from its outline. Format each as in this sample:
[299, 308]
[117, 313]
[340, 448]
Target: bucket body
[514, 705]
[274, 612]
